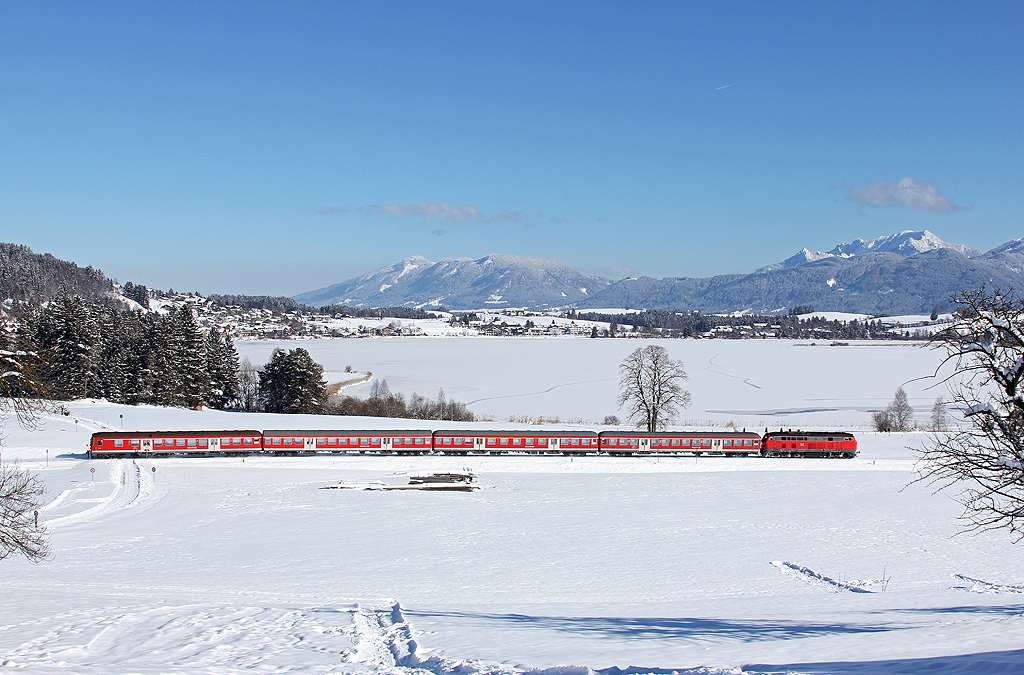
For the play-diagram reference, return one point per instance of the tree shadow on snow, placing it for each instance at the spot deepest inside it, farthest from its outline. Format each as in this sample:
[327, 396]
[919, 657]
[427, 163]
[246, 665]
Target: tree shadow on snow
[986, 663]
[670, 627]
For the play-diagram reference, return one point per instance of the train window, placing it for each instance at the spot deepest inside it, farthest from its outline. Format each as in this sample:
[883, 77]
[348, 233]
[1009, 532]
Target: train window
[706, 442]
[247, 441]
[529, 441]
[447, 441]
[297, 441]
[287, 441]
[613, 441]
[728, 442]
[586, 441]
[747, 442]
[277, 441]
[342, 441]
[504, 441]
[191, 442]
[203, 442]
[491, 441]
[542, 441]
[134, 443]
[685, 441]
[517, 441]
[322, 441]
[156, 442]
[419, 441]
[179, 442]
[408, 441]
[364, 441]
[118, 443]
[675, 442]
[575, 441]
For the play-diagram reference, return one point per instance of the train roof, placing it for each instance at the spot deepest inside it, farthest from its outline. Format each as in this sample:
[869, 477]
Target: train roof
[344, 432]
[516, 432]
[682, 434]
[186, 432]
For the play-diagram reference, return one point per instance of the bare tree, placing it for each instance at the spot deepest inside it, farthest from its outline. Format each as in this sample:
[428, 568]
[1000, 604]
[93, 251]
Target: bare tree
[21, 496]
[985, 458]
[940, 415]
[650, 389]
[881, 420]
[248, 386]
[900, 413]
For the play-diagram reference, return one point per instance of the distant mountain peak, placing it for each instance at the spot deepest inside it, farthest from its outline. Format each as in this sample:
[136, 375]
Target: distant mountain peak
[497, 280]
[907, 242]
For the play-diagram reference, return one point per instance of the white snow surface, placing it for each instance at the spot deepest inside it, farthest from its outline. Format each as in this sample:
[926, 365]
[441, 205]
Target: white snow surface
[562, 566]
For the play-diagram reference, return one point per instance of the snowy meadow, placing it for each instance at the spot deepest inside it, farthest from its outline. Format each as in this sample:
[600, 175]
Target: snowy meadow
[558, 565]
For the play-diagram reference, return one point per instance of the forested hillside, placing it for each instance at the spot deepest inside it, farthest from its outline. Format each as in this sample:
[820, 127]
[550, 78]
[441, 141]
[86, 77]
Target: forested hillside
[33, 277]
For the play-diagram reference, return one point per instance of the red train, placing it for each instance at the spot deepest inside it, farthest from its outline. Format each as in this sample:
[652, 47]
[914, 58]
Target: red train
[838, 444]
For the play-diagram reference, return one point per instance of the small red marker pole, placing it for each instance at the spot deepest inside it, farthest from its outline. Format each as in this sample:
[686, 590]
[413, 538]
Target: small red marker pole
[92, 470]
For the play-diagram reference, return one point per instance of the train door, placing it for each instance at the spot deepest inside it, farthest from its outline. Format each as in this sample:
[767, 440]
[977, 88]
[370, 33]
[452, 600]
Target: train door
[478, 445]
[310, 444]
[386, 444]
[214, 445]
[645, 445]
[147, 446]
[716, 445]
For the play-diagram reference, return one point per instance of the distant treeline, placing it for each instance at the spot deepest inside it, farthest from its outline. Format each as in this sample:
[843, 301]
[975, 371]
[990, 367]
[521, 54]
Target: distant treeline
[282, 305]
[693, 324]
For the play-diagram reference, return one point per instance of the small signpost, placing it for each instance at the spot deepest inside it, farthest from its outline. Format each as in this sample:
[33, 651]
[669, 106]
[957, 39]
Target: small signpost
[92, 470]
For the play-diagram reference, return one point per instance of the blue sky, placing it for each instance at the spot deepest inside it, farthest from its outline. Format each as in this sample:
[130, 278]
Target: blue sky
[280, 147]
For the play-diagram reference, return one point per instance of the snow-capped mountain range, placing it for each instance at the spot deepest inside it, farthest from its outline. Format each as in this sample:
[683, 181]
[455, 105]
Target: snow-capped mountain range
[908, 272]
[905, 243]
[459, 283]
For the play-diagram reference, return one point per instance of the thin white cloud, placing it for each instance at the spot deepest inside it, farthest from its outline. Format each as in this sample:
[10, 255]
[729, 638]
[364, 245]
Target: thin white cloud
[443, 211]
[907, 192]
[451, 215]
[507, 217]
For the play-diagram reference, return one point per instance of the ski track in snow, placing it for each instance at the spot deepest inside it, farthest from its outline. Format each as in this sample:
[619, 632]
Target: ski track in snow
[713, 368]
[979, 586]
[132, 486]
[538, 393]
[83, 422]
[367, 638]
[822, 581]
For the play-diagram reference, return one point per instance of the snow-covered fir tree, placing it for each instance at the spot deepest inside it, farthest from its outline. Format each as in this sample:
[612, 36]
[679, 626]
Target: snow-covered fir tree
[292, 382]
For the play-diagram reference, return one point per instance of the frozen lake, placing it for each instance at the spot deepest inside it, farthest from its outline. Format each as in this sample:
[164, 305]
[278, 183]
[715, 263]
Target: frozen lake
[753, 383]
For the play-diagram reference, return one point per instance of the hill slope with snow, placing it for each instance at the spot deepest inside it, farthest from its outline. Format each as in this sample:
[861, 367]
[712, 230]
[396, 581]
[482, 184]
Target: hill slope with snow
[463, 283]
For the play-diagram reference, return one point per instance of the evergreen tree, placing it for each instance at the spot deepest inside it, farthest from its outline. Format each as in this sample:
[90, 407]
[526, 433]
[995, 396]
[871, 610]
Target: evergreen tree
[193, 377]
[66, 336]
[292, 382]
[222, 366]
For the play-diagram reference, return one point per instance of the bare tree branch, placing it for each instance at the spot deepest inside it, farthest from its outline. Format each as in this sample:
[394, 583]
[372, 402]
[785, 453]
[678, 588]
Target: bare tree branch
[20, 497]
[984, 461]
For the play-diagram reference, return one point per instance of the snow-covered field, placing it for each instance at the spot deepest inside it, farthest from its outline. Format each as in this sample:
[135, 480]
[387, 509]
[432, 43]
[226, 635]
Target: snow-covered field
[561, 565]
